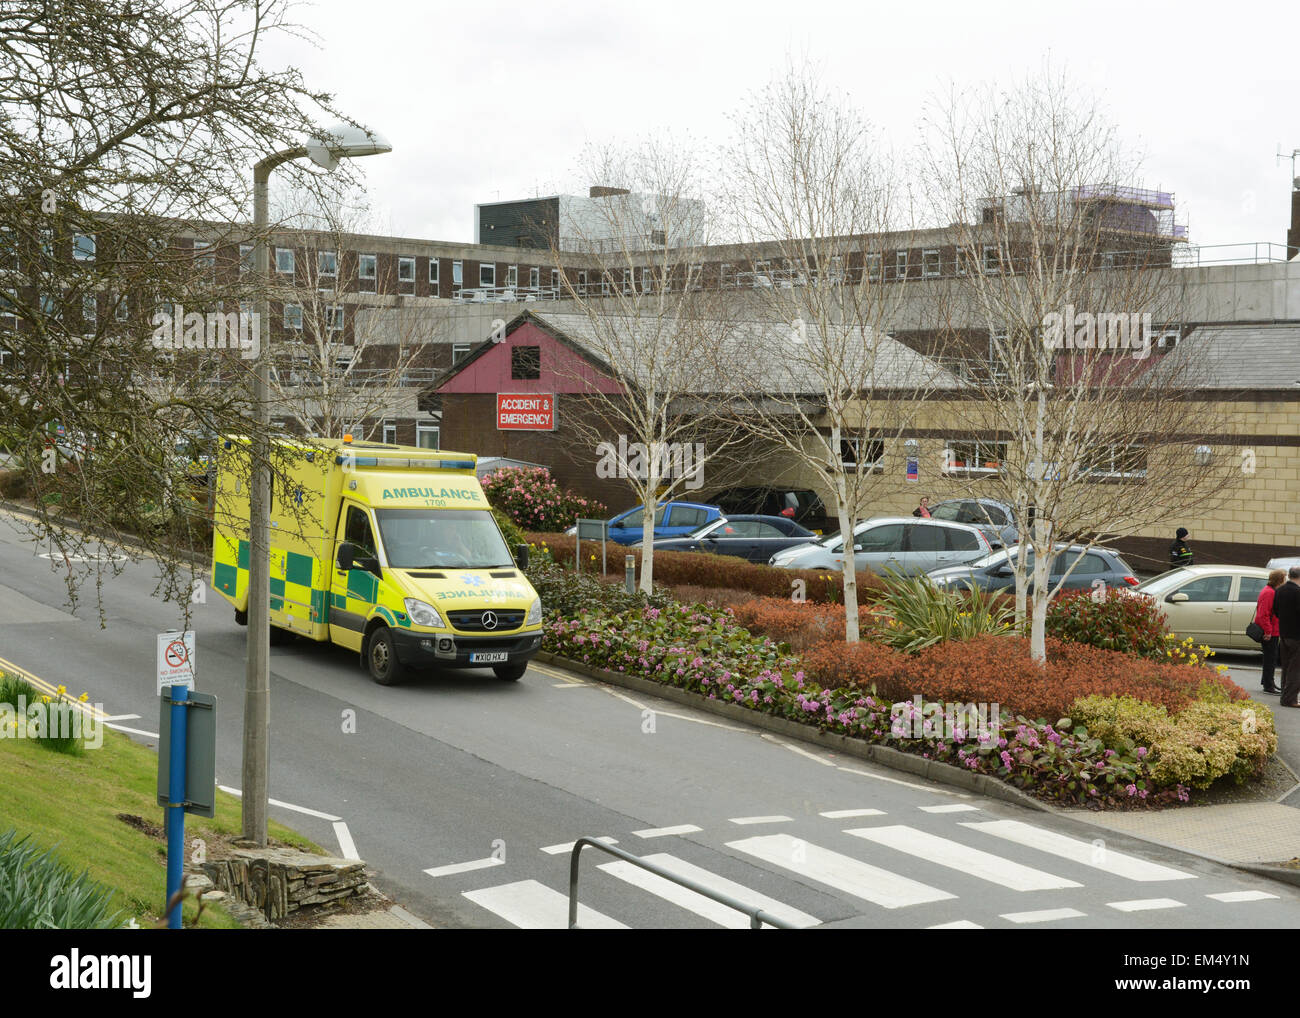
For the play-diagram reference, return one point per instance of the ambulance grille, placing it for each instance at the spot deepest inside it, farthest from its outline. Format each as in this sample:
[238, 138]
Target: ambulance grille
[471, 620]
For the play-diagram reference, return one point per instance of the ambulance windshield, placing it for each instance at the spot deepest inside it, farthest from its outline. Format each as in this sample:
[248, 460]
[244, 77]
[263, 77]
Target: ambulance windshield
[442, 539]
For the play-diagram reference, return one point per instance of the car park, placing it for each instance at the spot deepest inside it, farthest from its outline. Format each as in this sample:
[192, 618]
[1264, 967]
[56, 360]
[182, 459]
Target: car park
[1086, 567]
[802, 505]
[672, 519]
[1211, 604]
[751, 537]
[900, 544]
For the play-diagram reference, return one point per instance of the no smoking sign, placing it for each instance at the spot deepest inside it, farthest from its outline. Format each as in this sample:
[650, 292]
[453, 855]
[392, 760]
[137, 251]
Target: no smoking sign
[176, 659]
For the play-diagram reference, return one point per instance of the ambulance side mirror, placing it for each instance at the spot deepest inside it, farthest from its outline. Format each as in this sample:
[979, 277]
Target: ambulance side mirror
[346, 556]
[521, 556]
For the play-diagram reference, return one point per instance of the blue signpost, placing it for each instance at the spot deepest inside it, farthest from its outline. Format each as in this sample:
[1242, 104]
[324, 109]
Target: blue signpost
[176, 803]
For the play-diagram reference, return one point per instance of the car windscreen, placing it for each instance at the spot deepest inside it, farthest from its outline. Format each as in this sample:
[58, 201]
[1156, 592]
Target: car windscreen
[442, 539]
[700, 531]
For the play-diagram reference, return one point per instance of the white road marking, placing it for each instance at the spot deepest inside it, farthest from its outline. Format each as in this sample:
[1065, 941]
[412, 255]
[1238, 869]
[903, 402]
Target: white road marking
[905, 784]
[889, 890]
[849, 814]
[464, 867]
[760, 820]
[120, 717]
[346, 845]
[286, 805]
[956, 856]
[1046, 916]
[568, 845]
[802, 752]
[1083, 852]
[697, 903]
[1241, 896]
[953, 807]
[568, 685]
[664, 832]
[1144, 904]
[960, 924]
[133, 731]
[533, 906]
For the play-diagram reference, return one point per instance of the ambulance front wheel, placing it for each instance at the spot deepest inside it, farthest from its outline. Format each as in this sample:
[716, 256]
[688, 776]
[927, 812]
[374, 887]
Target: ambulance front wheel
[511, 673]
[381, 658]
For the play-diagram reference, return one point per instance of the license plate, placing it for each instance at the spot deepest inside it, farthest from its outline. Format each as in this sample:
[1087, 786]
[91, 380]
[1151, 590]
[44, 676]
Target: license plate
[488, 657]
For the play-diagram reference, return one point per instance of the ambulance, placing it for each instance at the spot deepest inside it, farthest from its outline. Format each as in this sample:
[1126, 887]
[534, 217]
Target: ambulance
[390, 551]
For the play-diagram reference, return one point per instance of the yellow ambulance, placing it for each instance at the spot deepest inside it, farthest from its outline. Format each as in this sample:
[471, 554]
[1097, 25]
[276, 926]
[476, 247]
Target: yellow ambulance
[390, 551]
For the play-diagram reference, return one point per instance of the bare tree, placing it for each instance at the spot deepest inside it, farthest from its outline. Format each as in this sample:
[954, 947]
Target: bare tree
[127, 133]
[350, 354]
[817, 203]
[1072, 413]
[645, 316]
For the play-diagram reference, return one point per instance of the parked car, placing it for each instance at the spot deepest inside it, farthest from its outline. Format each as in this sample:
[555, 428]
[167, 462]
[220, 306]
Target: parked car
[802, 505]
[755, 538]
[672, 519]
[997, 571]
[997, 519]
[898, 543]
[1211, 604]
[1283, 562]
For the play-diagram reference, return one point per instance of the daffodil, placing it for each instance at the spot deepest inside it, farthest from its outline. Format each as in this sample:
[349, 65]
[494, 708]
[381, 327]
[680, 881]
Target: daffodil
[61, 690]
[83, 697]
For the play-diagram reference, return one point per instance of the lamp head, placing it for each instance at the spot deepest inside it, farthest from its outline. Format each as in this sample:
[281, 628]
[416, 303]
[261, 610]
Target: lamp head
[345, 141]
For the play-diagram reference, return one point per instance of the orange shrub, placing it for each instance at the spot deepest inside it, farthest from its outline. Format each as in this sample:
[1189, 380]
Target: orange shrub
[802, 626]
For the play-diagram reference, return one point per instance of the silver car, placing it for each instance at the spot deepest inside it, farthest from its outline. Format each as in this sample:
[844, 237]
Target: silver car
[902, 544]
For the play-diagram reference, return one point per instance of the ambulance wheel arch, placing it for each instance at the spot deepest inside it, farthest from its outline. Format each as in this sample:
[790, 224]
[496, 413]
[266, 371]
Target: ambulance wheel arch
[379, 654]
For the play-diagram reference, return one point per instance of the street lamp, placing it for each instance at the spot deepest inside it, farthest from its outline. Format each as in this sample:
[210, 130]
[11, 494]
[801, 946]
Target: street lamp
[342, 141]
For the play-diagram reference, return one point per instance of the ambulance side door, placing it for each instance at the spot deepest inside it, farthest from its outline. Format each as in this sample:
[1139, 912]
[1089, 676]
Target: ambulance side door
[352, 592]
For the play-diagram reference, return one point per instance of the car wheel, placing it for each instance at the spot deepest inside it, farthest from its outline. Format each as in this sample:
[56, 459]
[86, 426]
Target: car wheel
[381, 658]
[510, 673]
[241, 618]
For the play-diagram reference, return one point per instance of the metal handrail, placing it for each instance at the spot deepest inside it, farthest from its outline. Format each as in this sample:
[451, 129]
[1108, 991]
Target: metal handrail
[757, 917]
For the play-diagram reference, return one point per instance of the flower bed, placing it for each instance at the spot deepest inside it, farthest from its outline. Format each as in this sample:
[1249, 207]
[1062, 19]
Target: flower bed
[530, 497]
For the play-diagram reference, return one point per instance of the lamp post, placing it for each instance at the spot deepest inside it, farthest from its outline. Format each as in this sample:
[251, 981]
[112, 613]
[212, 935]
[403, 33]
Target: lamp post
[341, 142]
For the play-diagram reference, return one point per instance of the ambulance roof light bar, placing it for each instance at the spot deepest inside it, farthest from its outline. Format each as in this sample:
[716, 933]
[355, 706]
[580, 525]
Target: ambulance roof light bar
[403, 463]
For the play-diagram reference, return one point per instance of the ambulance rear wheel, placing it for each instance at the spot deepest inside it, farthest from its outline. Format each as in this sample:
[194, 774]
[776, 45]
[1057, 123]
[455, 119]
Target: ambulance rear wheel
[381, 658]
[241, 618]
[511, 673]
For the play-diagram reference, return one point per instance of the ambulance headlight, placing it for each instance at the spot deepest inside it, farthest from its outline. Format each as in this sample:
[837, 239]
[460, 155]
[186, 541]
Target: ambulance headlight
[534, 613]
[422, 613]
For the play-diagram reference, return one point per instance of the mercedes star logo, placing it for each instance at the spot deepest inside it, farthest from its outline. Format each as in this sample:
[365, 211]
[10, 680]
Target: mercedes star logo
[489, 620]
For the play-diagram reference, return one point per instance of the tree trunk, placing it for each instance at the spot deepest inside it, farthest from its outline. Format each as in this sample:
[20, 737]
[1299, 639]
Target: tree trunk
[648, 508]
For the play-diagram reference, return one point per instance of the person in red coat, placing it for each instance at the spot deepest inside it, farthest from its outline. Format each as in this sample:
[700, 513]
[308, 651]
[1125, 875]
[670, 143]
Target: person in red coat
[1268, 622]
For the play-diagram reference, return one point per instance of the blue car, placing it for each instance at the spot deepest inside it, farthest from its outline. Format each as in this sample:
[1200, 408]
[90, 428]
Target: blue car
[672, 519]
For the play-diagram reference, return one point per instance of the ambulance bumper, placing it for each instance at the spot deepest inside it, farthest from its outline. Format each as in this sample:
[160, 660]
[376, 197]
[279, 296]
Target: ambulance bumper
[418, 649]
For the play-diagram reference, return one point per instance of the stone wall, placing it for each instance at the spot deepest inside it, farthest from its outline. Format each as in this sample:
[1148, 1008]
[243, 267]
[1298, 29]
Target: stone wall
[278, 882]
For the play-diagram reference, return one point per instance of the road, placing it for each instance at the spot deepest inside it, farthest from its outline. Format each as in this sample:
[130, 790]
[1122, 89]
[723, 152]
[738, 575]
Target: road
[461, 792]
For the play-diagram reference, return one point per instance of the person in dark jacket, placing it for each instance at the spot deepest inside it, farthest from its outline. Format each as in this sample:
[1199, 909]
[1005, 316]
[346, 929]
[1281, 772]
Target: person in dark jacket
[1179, 553]
[1267, 621]
[1286, 608]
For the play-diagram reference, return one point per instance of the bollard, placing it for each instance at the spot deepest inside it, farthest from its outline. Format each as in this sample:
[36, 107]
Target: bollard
[629, 573]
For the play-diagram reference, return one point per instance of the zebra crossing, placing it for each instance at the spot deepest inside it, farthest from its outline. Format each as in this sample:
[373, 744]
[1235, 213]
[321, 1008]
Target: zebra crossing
[858, 863]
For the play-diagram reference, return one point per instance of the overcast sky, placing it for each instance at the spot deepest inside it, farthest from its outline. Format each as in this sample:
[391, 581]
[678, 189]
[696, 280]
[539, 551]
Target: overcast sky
[489, 101]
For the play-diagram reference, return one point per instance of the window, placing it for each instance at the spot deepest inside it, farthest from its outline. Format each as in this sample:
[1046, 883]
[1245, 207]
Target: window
[89, 311]
[930, 262]
[459, 351]
[885, 538]
[925, 537]
[647, 280]
[512, 276]
[433, 271]
[284, 260]
[83, 247]
[555, 281]
[1249, 589]
[406, 270]
[9, 307]
[992, 263]
[204, 256]
[457, 276]
[327, 263]
[8, 249]
[582, 283]
[427, 436]
[390, 432]
[334, 318]
[900, 264]
[688, 516]
[122, 311]
[1168, 339]
[487, 274]
[293, 317]
[356, 531]
[525, 362]
[1117, 461]
[959, 261]
[857, 453]
[1207, 588]
[367, 270]
[973, 456]
[627, 281]
[726, 278]
[962, 540]
[534, 278]
[658, 238]
[873, 266]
